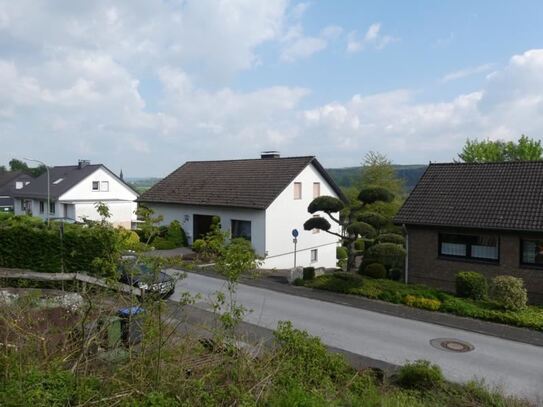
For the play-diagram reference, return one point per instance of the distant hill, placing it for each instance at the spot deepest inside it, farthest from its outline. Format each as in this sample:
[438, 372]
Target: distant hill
[346, 177]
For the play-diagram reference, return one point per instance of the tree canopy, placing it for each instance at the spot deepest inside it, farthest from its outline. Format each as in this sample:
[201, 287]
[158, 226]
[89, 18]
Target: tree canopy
[377, 171]
[480, 151]
[18, 165]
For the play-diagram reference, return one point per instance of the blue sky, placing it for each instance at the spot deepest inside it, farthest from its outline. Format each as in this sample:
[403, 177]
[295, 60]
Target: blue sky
[146, 86]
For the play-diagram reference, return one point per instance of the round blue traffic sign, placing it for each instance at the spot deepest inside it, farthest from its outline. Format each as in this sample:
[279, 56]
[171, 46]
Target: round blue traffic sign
[295, 232]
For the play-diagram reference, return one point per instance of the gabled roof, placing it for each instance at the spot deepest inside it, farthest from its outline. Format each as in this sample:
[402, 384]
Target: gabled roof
[501, 195]
[8, 180]
[71, 175]
[252, 183]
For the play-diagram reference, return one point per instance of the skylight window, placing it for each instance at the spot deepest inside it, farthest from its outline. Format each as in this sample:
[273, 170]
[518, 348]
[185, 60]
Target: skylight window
[58, 181]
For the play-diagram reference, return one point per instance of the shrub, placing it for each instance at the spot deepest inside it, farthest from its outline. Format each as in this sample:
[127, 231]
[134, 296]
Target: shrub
[391, 238]
[389, 254]
[130, 240]
[161, 243]
[421, 302]
[375, 270]
[341, 253]
[298, 282]
[374, 194]
[374, 219]
[420, 375]
[509, 292]
[360, 245]
[176, 234]
[470, 284]
[395, 273]
[198, 245]
[309, 273]
[390, 296]
[361, 229]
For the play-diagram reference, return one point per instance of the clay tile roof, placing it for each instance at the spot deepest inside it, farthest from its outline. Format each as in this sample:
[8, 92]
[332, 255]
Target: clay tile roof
[252, 183]
[502, 195]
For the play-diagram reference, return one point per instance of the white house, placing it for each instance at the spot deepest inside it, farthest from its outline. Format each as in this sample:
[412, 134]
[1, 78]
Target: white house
[262, 200]
[74, 191]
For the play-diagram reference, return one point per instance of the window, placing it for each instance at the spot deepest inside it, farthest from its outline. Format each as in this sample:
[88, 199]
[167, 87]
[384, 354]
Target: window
[104, 186]
[42, 207]
[23, 205]
[95, 185]
[316, 230]
[241, 228]
[471, 247]
[18, 184]
[316, 189]
[52, 208]
[297, 190]
[314, 255]
[531, 252]
[58, 181]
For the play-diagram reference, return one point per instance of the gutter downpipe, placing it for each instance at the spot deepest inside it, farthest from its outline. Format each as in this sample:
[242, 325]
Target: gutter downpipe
[406, 267]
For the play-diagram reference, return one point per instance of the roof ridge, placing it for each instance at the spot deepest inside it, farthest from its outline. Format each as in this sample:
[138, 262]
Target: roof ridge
[515, 162]
[252, 159]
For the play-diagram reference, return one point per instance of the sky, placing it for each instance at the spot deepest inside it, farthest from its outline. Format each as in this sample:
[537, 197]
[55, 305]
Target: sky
[144, 86]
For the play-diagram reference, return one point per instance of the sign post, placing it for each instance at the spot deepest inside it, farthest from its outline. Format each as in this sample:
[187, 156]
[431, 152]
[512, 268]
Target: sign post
[295, 241]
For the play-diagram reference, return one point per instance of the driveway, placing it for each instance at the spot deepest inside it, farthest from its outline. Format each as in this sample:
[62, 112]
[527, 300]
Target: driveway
[515, 367]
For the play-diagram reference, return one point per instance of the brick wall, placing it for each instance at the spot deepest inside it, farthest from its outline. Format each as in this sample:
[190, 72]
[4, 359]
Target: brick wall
[425, 266]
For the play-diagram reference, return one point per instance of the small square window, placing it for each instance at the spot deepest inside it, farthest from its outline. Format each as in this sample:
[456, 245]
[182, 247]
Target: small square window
[104, 186]
[316, 189]
[18, 184]
[297, 190]
[95, 185]
[314, 255]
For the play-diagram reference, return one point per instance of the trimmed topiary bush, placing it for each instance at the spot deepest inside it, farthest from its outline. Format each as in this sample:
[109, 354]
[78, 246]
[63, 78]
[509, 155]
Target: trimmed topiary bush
[470, 284]
[375, 270]
[374, 219]
[198, 245]
[509, 292]
[341, 253]
[309, 273]
[391, 238]
[373, 194]
[389, 254]
[360, 245]
[420, 375]
[361, 229]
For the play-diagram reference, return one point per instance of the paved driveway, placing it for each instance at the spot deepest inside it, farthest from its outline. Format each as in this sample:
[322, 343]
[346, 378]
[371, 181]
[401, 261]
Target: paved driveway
[515, 367]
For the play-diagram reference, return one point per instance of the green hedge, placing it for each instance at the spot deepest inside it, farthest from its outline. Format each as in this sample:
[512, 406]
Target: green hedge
[32, 245]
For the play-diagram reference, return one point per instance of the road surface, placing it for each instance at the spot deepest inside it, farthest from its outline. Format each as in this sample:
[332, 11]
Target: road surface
[514, 367]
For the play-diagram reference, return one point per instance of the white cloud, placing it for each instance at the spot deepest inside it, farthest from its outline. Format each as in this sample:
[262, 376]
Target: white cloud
[299, 46]
[464, 73]
[509, 103]
[373, 38]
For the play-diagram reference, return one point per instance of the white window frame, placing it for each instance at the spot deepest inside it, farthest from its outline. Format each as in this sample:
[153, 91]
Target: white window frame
[316, 189]
[19, 184]
[314, 255]
[104, 186]
[297, 190]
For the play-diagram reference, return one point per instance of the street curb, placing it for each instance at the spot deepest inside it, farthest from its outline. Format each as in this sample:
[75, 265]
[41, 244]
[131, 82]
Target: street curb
[495, 329]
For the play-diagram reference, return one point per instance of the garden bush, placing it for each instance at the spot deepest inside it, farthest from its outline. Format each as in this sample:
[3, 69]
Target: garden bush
[388, 254]
[170, 237]
[395, 273]
[420, 375]
[421, 302]
[298, 282]
[198, 245]
[509, 292]
[470, 284]
[374, 219]
[360, 245]
[391, 238]
[374, 270]
[309, 273]
[341, 253]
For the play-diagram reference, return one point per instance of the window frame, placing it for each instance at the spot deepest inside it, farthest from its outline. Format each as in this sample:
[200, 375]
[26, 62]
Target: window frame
[468, 244]
[318, 185]
[522, 263]
[106, 183]
[52, 206]
[42, 206]
[297, 197]
[250, 238]
[314, 259]
[97, 189]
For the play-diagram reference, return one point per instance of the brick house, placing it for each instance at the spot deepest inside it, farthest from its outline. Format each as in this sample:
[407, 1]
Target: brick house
[485, 217]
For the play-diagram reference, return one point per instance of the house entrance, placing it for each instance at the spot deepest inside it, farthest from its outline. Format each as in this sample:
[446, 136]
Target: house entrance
[201, 225]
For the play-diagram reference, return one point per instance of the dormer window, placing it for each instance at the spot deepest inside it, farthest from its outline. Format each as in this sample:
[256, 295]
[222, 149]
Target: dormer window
[18, 184]
[58, 181]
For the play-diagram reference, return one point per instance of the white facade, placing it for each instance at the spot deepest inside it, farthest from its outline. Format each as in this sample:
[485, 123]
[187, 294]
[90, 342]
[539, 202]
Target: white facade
[271, 228]
[79, 202]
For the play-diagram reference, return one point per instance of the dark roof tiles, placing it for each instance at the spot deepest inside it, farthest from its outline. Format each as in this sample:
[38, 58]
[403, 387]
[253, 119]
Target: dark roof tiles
[504, 195]
[252, 183]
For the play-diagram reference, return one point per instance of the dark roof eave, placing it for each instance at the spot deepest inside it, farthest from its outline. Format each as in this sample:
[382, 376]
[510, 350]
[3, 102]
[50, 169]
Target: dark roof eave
[156, 201]
[472, 226]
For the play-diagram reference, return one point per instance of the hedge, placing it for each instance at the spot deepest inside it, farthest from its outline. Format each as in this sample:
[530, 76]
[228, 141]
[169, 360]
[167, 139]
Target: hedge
[38, 247]
[470, 284]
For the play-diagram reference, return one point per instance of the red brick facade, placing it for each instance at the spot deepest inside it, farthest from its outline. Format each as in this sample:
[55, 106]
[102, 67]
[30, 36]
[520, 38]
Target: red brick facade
[426, 266]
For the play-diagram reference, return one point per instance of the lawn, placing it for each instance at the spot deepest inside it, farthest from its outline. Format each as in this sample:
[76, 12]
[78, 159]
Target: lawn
[421, 296]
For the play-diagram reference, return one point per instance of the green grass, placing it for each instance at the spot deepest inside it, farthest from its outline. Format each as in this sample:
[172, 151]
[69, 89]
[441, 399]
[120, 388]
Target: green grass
[395, 292]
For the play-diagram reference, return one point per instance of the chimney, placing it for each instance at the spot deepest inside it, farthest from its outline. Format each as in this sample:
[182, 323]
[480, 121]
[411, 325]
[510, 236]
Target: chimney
[83, 163]
[269, 154]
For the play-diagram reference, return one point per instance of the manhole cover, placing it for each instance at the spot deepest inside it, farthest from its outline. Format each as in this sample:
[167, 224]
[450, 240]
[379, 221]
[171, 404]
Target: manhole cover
[451, 345]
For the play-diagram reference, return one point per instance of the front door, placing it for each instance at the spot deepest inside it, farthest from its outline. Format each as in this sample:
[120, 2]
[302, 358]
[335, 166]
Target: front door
[201, 225]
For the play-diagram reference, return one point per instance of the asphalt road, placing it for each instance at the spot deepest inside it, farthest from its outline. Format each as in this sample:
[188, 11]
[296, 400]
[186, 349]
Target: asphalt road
[514, 367]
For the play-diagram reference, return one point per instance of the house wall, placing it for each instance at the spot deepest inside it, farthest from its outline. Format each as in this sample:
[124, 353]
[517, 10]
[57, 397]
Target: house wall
[122, 213]
[426, 266]
[185, 215]
[286, 214]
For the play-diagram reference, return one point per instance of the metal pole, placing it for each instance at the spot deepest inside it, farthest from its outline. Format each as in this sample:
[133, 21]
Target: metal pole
[295, 242]
[48, 187]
